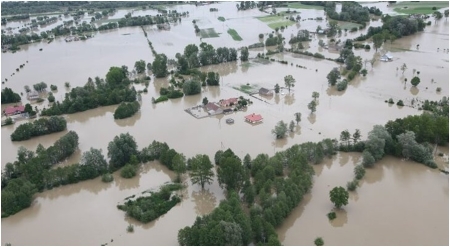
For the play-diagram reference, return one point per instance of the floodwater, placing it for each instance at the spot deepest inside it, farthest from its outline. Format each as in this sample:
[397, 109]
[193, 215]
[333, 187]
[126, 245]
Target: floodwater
[397, 203]
[359, 107]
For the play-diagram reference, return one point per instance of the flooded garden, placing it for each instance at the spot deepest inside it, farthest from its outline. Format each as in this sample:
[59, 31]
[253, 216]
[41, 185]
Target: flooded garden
[398, 201]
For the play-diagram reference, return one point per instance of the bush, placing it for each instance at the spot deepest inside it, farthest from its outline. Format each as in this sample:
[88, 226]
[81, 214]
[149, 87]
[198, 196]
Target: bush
[128, 171]
[130, 228]
[351, 186]
[161, 99]
[364, 72]
[126, 110]
[391, 101]
[53, 87]
[318, 241]
[331, 215]
[192, 87]
[400, 103]
[318, 55]
[359, 171]
[342, 85]
[368, 159]
[367, 47]
[438, 89]
[431, 164]
[354, 29]
[352, 75]
[261, 35]
[51, 98]
[107, 177]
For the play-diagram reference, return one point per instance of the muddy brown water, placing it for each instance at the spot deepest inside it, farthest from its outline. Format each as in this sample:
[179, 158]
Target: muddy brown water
[93, 216]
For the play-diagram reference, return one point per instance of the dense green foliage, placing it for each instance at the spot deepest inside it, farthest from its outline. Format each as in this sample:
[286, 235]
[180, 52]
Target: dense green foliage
[96, 93]
[32, 171]
[9, 96]
[125, 110]
[192, 87]
[351, 11]
[159, 66]
[333, 76]
[121, 149]
[17, 196]
[278, 185]
[42, 126]
[148, 208]
[200, 170]
[128, 171]
[318, 241]
[339, 197]
[359, 172]
[227, 225]
[280, 130]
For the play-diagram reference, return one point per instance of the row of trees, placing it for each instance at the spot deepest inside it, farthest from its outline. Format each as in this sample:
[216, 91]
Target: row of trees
[42, 126]
[31, 172]
[99, 92]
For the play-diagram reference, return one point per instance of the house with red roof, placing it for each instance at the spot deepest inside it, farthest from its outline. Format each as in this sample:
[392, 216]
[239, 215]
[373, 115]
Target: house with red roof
[254, 118]
[228, 102]
[13, 110]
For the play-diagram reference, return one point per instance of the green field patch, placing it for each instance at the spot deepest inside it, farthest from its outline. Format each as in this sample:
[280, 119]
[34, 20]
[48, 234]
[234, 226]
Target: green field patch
[234, 34]
[274, 21]
[248, 89]
[208, 33]
[348, 25]
[303, 6]
[221, 18]
[418, 7]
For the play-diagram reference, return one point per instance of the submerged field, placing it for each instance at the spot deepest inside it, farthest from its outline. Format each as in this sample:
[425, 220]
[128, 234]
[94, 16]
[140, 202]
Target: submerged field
[419, 7]
[85, 213]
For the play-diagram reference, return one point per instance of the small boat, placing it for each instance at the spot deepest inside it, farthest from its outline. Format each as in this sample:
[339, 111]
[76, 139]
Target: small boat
[229, 120]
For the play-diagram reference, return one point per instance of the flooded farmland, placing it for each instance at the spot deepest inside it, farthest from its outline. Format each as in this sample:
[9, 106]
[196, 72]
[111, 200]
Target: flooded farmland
[404, 192]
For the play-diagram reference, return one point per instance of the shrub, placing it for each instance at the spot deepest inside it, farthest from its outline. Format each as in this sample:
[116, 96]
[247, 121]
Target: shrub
[364, 72]
[318, 241]
[391, 101]
[161, 99]
[359, 171]
[128, 171]
[53, 87]
[368, 159]
[342, 85]
[351, 186]
[438, 89]
[8, 121]
[130, 228]
[67, 84]
[261, 35]
[126, 110]
[107, 177]
[318, 55]
[431, 164]
[367, 47]
[51, 98]
[331, 215]
[400, 103]
[351, 75]
[354, 29]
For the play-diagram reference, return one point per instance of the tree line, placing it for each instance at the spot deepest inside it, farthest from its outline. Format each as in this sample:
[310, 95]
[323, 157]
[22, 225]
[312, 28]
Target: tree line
[42, 126]
[99, 92]
[9, 96]
[28, 174]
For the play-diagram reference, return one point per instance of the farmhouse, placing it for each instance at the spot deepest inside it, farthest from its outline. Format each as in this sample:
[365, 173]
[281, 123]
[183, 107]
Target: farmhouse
[213, 108]
[228, 102]
[14, 110]
[254, 118]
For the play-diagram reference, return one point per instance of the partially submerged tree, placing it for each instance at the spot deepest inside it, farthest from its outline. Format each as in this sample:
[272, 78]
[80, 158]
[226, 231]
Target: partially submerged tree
[201, 170]
[289, 81]
[298, 117]
[339, 196]
[312, 106]
[280, 130]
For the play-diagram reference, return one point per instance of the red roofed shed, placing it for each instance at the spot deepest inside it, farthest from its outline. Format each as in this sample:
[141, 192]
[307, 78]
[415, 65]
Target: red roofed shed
[253, 118]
